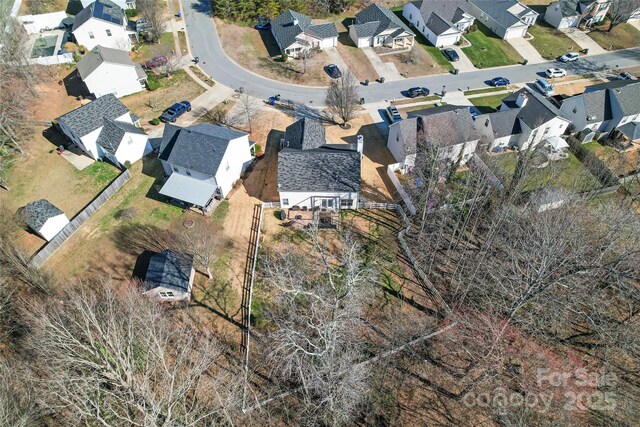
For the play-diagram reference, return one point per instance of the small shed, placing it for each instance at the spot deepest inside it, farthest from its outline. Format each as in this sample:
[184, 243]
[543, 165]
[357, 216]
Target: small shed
[169, 276]
[44, 218]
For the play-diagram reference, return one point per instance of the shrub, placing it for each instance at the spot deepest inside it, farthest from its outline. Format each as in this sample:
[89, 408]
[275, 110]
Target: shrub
[285, 57]
[155, 121]
[127, 164]
[473, 28]
[76, 56]
[152, 82]
[131, 13]
[127, 213]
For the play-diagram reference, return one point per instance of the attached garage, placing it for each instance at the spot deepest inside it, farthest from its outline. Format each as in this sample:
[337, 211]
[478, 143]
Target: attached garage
[514, 32]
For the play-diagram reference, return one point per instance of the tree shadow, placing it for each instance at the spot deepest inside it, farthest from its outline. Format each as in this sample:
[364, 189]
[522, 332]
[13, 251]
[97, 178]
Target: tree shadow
[74, 85]
[135, 239]
[299, 110]
[202, 6]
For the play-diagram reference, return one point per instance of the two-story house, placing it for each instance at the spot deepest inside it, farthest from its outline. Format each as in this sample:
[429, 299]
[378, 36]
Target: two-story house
[202, 162]
[105, 70]
[295, 33]
[102, 23]
[442, 22]
[506, 18]
[576, 13]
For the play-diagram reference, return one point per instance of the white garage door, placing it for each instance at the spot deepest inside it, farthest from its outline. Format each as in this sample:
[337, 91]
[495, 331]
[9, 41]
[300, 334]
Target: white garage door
[448, 40]
[515, 32]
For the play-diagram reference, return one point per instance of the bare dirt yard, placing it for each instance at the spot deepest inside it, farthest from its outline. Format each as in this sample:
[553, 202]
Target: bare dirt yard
[354, 57]
[415, 62]
[568, 87]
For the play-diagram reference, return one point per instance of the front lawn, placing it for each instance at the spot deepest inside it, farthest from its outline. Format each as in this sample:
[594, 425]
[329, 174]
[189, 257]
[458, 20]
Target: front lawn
[487, 50]
[442, 63]
[163, 47]
[622, 36]
[488, 104]
[550, 42]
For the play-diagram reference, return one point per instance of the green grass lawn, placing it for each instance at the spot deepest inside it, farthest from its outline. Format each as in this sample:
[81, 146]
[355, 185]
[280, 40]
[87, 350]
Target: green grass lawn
[101, 172]
[615, 161]
[487, 90]
[550, 42]
[489, 103]
[435, 53]
[487, 50]
[568, 174]
[622, 36]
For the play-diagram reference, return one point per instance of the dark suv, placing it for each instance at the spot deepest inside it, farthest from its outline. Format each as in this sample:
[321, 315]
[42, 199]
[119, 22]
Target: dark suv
[450, 54]
[417, 91]
[175, 111]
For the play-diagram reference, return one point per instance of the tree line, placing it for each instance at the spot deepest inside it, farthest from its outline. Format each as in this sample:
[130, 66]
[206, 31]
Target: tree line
[249, 10]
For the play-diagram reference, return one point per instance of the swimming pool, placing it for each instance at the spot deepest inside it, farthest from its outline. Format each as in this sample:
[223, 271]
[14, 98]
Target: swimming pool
[44, 46]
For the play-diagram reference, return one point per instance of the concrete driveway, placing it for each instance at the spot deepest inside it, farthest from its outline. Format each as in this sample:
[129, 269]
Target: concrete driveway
[584, 41]
[526, 50]
[336, 58]
[464, 64]
[387, 70]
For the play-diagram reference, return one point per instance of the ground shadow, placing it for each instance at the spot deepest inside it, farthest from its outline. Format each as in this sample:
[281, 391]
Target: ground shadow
[262, 182]
[74, 7]
[74, 85]
[55, 137]
[134, 238]
[142, 265]
[203, 6]
[299, 110]
[270, 43]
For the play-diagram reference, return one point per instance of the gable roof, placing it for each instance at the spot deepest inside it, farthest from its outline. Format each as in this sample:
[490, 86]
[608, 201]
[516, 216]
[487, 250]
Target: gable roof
[169, 269]
[572, 7]
[628, 98]
[499, 10]
[438, 14]
[536, 112]
[37, 213]
[448, 126]
[113, 132]
[409, 130]
[325, 169]
[198, 147]
[287, 26]
[305, 134]
[374, 20]
[105, 10]
[100, 55]
[89, 117]
[503, 123]
[631, 130]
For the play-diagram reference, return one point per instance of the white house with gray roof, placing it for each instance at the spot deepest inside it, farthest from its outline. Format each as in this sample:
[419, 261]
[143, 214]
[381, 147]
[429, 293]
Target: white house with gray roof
[315, 175]
[169, 276]
[574, 13]
[44, 218]
[124, 4]
[105, 70]
[442, 22]
[295, 33]
[508, 19]
[378, 26]
[102, 23]
[106, 129]
[202, 162]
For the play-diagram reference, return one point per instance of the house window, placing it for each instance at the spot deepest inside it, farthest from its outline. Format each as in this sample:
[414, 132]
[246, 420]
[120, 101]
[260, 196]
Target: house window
[91, 36]
[187, 172]
[167, 294]
[285, 202]
[346, 203]
[108, 33]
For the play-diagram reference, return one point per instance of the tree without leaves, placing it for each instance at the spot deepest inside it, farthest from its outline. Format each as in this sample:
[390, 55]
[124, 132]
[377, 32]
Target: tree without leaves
[342, 97]
[150, 10]
[621, 10]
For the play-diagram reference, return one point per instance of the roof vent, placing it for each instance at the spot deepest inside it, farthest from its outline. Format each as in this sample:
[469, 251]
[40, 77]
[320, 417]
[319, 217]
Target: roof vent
[295, 21]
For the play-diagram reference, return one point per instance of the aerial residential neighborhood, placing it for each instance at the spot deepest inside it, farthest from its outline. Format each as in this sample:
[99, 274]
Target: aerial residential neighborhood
[365, 212]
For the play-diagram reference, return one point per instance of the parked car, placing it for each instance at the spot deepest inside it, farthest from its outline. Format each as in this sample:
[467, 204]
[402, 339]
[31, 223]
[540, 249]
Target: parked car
[142, 24]
[545, 87]
[175, 111]
[555, 72]
[158, 61]
[333, 71]
[450, 54]
[627, 76]
[569, 57]
[500, 81]
[417, 91]
[393, 114]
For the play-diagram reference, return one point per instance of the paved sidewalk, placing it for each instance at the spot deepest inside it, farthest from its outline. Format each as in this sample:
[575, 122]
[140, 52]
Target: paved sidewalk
[583, 41]
[526, 50]
[464, 64]
[456, 97]
[387, 70]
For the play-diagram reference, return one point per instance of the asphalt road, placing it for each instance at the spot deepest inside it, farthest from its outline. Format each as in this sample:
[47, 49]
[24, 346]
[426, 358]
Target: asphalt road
[205, 44]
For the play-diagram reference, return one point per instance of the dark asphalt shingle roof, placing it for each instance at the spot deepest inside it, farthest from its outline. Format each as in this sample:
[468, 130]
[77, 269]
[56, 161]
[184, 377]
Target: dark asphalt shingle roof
[499, 11]
[305, 134]
[285, 31]
[503, 123]
[628, 98]
[113, 132]
[105, 10]
[37, 213]
[409, 130]
[322, 31]
[100, 55]
[440, 13]
[597, 106]
[631, 130]
[84, 120]
[169, 269]
[536, 112]
[375, 19]
[198, 147]
[438, 25]
[448, 127]
[323, 169]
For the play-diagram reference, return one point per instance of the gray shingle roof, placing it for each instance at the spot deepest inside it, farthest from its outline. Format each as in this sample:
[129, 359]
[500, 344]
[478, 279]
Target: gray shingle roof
[409, 130]
[105, 10]
[631, 130]
[89, 117]
[536, 112]
[438, 25]
[499, 11]
[198, 147]
[375, 19]
[447, 12]
[37, 213]
[628, 98]
[285, 31]
[305, 134]
[448, 126]
[113, 132]
[100, 55]
[597, 106]
[169, 269]
[503, 123]
[319, 170]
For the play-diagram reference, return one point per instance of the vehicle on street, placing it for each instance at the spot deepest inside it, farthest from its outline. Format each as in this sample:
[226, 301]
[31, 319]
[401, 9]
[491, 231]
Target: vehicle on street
[569, 57]
[555, 72]
[175, 111]
[417, 91]
[333, 71]
[158, 61]
[500, 81]
[393, 114]
[544, 87]
[450, 54]
[627, 76]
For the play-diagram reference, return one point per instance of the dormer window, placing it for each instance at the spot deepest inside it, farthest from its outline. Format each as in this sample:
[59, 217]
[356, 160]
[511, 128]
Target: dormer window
[108, 33]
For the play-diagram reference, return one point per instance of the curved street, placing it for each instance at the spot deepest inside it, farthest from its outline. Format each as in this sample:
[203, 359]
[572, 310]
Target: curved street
[204, 43]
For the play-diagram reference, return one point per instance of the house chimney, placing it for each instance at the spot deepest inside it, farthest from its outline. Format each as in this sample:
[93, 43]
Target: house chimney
[360, 144]
[522, 99]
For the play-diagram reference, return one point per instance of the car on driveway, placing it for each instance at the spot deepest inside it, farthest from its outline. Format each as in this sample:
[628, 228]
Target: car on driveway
[500, 81]
[450, 54]
[333, 71]
[627, 76]
[176, 110]
[544, 87]
[555, 72]
[158, 61]
[569, 57]
[393, 114]
[417, 91]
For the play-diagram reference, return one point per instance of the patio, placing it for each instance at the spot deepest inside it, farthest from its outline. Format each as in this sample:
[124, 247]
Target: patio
[300, 217]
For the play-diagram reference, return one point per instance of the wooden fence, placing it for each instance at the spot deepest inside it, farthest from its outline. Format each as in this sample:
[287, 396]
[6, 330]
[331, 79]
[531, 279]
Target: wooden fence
[51, 247]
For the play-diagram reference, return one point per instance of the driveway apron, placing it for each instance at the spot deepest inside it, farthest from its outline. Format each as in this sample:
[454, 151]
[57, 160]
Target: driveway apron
[526, 50]
[387, 70]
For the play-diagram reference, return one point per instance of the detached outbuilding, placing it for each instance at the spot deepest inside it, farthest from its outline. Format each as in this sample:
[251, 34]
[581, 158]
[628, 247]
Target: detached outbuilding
[169, 276]
[44, 218]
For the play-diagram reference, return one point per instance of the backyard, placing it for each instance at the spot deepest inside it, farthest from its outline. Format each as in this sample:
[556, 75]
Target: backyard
[487, 50]
[550, 42]
[623, 36]
[489, 103]
[620, 164]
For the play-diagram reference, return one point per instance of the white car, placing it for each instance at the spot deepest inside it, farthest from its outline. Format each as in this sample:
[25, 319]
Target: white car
[555, 72]
[569, 57]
